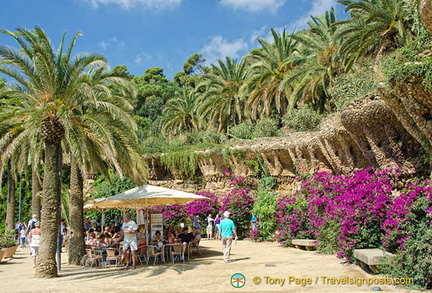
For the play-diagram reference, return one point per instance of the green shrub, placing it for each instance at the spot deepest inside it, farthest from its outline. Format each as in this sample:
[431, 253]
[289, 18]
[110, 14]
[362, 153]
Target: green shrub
[329, 237]
[265, 128]
[243, 131]
[355, 84]
[408, 63]
[264, 209]
[7, 239]
[206, 136]
[153, 144]
[304, 118]
[184, 162]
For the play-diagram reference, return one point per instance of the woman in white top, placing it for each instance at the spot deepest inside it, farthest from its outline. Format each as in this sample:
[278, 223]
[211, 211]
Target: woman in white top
[209, 221]
[34, 236]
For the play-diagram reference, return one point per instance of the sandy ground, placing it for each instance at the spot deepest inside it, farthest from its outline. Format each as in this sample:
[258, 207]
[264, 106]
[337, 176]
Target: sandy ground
[261, 263]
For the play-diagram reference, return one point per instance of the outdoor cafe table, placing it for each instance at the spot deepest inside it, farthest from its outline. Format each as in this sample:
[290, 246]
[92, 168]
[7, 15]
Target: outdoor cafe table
[169, 247]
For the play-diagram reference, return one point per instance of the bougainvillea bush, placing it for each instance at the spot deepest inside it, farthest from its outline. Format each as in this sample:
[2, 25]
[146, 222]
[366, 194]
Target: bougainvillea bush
[203, 207]
[239, 202]
[408, 234]
[355, 204]
[347, 212]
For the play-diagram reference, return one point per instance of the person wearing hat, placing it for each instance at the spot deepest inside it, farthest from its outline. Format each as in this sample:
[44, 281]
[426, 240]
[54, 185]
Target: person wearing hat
[227, 232]
[34, 236]
[31, 223]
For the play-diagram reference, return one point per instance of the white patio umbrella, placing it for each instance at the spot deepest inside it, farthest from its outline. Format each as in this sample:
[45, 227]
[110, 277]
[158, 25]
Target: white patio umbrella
[145, 197]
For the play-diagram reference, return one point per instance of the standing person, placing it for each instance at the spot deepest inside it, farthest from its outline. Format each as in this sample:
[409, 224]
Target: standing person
[129, 230]
[210, 222]
[63, 232]
[31, 223]
[22, 235]
[254, 222]
[217, 224]
[197, 222]
[227, 231]
[34, 236]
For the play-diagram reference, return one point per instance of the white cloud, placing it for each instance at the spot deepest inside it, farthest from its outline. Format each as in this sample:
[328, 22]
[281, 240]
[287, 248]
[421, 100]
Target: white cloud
[256, 34]
[111, 42]
[142, 58]
[128, 4]
[319, 7]
[254, 5]
[219, 48]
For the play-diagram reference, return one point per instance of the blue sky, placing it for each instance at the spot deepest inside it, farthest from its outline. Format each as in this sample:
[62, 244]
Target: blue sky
[160, 33]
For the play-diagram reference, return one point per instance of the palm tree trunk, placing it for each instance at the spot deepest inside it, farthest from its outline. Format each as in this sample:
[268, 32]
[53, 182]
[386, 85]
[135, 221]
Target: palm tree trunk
[10, 210]
[426, 14]
[76, 214]
[50, 216]
[36, 191]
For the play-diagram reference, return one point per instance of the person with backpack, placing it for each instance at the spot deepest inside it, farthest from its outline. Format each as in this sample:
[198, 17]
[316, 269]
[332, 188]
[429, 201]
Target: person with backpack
[32, 223]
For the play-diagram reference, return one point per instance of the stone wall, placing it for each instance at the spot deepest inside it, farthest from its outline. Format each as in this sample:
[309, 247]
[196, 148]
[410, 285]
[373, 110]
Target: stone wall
[366, 134]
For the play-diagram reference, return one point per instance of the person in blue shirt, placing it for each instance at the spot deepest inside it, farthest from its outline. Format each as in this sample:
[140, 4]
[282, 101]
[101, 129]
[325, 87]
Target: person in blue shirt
[227, 233]
[254, 221]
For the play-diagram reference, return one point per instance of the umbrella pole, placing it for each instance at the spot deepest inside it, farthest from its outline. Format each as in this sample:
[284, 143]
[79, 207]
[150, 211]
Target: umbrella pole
[103, 220]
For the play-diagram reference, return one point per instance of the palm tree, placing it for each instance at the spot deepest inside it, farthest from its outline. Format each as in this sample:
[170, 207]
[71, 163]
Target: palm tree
[103, 134]
[376, 26]
[268, 66]
[180, 113]
[43, 97]
[321, 62]
[221, 100]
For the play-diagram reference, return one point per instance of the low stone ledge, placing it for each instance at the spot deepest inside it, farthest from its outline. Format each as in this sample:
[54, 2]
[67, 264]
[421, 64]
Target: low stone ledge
[372, 257]
[308, 244]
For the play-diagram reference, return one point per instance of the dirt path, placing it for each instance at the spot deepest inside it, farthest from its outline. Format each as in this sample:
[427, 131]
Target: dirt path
[207, 273]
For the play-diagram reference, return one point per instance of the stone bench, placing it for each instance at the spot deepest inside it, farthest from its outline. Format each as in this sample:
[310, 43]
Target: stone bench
[372, 257]
[308, 244]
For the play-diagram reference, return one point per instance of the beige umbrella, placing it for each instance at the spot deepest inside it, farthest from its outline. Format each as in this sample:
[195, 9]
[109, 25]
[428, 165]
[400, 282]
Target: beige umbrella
[146, 196]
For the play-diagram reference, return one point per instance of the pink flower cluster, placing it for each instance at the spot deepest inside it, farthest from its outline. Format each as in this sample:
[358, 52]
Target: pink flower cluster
[360, 204]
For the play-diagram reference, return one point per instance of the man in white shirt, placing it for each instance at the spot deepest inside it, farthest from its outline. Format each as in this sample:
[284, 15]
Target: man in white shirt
[130, 240]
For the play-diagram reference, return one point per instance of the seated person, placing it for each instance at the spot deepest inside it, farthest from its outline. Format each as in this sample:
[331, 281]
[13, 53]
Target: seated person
[117, 236]
[185, 236]
[169, 236]
[197, 238]
[157, 241]
[91, 239]
[108, 240]
[100, 243]
[173, 231]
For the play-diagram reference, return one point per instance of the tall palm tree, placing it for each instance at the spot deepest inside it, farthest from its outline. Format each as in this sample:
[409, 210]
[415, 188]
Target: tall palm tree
[103, 135]
[180, 113]
[375, 26]
[268, 66]
[221, 100]
[321, 62]
[42, 99]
